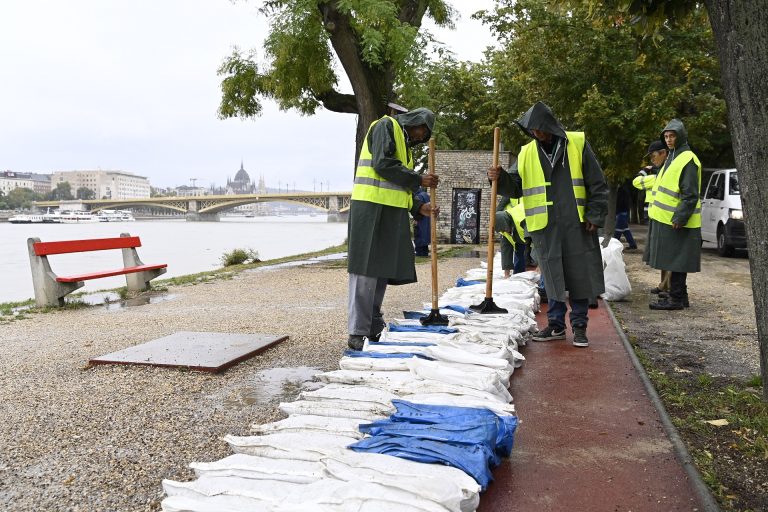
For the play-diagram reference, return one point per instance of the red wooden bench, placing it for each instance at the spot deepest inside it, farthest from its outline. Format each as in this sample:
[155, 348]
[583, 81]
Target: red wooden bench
[50, 289]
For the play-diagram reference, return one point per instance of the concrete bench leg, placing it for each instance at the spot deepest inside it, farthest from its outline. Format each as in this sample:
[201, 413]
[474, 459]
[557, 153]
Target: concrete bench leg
[48, 291]
[137, 281]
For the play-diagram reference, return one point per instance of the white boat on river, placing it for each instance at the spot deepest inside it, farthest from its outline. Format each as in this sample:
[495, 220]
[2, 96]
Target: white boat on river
[78, 218]
[115, 216]
[23, 218]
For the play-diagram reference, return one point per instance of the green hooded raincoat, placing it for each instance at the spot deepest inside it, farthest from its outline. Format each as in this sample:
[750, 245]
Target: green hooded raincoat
[677, 250]
[380, 236]
[569, 256]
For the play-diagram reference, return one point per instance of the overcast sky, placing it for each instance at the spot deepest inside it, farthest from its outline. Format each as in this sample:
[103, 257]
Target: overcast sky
[132, 86]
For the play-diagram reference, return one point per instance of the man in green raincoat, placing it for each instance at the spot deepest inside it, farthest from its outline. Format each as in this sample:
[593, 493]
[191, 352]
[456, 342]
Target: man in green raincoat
[674, 231]
[566, 200]
[380, 250]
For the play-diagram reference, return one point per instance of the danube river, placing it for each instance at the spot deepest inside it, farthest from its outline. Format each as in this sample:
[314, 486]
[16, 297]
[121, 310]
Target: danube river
[187, 247]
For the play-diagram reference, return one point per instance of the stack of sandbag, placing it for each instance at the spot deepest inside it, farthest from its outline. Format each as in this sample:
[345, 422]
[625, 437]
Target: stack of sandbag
[414, 422]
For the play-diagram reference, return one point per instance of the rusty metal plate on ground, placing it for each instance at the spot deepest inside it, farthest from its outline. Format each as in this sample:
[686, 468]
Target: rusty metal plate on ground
[205, 351]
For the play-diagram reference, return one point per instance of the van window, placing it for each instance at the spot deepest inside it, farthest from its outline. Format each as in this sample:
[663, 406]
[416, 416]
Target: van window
[733, 184]
[715, 189]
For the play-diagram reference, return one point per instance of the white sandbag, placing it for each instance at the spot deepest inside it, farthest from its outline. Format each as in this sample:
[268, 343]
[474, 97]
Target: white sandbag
[431, 488]
[456, 355]
[402, 383]
[336, 408]
[467, 377]
[497, 407]
[221, 503]
[270, 491]
[393, 364]
[289, 445]
[617, 285]
[347, 392]
[261, 468]
[312, 423]
[345, 495]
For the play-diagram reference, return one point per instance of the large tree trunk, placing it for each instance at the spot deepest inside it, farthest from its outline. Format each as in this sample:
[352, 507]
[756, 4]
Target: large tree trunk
[740, 29]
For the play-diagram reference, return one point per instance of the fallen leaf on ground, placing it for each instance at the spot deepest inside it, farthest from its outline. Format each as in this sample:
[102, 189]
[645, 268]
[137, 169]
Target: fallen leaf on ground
[717, 423]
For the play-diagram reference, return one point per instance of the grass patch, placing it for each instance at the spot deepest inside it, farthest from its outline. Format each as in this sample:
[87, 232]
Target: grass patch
[724, 423]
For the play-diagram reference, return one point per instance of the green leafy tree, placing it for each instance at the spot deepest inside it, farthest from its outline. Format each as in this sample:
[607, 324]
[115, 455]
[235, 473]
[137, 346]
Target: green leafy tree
[21, 198]
[85, 193]
[374, 40]
[63, 191]
[461, 94]
[740, 32]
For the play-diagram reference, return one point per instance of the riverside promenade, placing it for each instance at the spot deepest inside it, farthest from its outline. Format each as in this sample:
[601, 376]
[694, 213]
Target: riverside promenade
[80, 437]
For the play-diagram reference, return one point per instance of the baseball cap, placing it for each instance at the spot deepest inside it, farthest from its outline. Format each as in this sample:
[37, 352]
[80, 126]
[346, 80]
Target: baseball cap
[656, 145]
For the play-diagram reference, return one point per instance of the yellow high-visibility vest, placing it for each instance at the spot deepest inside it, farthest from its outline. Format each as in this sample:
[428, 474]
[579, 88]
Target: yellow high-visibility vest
[517, 212]
[535, 186]
[370, 186]
[666, 192]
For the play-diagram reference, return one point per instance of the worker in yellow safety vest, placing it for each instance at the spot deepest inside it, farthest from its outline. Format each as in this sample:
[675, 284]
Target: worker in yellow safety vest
[380, 251]
[510, 223]
[657, 153]
[674, 232]
[565, 197]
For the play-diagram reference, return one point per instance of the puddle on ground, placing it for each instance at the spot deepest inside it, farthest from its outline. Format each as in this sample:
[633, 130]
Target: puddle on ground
[283, 384]
[112, 301]
[310, 261]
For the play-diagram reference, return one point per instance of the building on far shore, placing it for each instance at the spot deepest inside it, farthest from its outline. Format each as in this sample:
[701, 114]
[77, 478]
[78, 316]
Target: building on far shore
[39, 183]
[105, 184]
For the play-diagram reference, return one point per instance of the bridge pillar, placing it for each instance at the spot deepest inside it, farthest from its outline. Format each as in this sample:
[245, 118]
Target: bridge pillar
[194, 216]
[333, 210]
[201, 217]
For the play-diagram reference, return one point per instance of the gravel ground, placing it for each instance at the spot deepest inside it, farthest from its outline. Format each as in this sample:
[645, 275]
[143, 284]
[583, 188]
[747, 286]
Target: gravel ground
[79, 438]
[716, 335]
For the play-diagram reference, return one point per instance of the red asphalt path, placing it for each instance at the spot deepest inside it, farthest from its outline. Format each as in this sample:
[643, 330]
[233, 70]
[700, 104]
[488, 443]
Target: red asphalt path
[589, 438]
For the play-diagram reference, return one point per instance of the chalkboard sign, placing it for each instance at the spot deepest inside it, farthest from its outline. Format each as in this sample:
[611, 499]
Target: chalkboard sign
[465, 216]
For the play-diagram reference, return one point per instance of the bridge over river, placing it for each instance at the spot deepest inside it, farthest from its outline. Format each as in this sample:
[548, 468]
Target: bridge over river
[208, 208]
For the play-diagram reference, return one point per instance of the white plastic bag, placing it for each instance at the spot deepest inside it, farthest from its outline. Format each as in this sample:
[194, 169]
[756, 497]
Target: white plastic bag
[617, 285]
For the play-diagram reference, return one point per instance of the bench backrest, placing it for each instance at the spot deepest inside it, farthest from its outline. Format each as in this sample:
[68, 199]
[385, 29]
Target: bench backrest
[95, 244]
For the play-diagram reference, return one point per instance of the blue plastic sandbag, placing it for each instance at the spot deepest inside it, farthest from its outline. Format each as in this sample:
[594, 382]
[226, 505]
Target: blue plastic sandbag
[439, 414]
[383, 355]
[467, 282]
[422, 328]
[485, 432]
[475, 460]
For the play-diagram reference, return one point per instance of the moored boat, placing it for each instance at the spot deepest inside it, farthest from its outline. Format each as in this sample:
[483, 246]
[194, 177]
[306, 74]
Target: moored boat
[78, 217]
[23, 218]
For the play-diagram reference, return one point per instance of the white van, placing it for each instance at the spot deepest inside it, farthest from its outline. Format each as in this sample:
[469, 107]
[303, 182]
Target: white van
[722, 218]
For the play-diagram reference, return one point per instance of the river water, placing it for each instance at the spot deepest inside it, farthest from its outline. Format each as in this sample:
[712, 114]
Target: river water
[187, 247]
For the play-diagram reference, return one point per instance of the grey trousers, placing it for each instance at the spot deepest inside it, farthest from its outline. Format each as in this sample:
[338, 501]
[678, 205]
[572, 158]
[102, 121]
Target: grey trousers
[364, 305]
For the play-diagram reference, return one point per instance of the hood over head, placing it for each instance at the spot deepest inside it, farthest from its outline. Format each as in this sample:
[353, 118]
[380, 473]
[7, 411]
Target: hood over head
[678, 127]
[417, 117]
[540, 117]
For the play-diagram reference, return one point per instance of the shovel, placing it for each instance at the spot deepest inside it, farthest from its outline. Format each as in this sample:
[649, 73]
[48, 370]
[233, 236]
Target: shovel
[434, 317]
[489, 307]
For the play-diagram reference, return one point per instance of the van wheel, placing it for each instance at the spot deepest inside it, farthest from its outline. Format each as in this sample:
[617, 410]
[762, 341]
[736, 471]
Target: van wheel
[723, 249]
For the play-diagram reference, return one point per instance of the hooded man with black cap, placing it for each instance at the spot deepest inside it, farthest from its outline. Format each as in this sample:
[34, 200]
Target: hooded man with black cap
[674, 234]
[566, 199]
[657, 153]
[380, 250]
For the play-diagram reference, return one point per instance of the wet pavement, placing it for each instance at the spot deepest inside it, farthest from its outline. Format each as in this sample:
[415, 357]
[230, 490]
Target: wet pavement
[590, 437]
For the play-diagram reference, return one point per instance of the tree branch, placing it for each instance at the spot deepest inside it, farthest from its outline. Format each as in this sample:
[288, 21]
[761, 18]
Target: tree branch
[338, 102]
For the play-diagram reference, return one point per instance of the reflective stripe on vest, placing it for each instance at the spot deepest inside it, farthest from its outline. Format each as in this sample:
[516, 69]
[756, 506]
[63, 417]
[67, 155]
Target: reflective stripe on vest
[535, 186]
[516, 210]
[666, 192]
[372, 187]
[645, 183]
